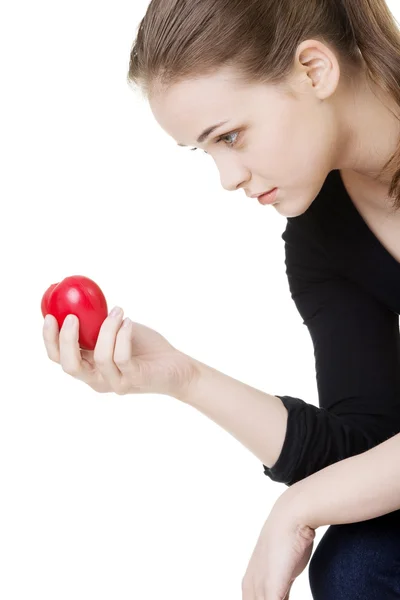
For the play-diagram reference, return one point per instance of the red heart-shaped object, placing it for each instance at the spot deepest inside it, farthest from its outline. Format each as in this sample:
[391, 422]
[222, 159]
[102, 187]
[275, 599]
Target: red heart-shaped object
[82, 297]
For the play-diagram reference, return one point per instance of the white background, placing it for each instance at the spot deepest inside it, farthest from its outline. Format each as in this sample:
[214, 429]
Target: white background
[107, 497]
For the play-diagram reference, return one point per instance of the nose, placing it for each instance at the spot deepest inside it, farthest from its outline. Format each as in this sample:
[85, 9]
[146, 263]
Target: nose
[233, 176]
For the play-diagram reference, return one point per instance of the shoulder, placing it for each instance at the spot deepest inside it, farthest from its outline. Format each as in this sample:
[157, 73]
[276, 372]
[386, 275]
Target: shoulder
[310, 238]
[317, 226]
[327, 224]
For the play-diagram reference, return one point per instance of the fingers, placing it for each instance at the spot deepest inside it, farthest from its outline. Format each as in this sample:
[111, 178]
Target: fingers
[123, 348]
[112, 355]
[132, 380]
[70, 353]
[105, 347]
[50, 337]
[62, 346]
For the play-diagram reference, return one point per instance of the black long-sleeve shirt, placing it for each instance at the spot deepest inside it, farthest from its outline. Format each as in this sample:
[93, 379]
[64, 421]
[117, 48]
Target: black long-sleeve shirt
[346, 286]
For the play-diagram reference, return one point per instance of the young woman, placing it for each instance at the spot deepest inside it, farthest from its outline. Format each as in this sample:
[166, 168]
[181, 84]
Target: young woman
[301, 98]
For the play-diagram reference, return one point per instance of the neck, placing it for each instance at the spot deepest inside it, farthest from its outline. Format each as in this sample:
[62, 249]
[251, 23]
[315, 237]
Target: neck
[368, 130]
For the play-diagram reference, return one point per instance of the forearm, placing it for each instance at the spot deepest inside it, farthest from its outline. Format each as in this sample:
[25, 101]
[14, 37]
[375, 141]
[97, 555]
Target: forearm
[256, 419]
[356, 489]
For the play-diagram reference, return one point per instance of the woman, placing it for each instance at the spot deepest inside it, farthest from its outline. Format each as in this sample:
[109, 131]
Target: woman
[303, 97]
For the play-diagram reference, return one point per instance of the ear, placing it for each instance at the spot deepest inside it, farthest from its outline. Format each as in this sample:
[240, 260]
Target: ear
[319, 68]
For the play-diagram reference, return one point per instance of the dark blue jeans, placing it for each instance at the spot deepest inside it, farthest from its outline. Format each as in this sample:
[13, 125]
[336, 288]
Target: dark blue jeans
[358, 561]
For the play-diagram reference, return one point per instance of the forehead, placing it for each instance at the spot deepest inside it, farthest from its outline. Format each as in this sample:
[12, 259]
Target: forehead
[186, 108]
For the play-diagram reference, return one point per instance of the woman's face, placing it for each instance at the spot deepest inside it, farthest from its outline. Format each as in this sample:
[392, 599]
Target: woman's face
[270, 138]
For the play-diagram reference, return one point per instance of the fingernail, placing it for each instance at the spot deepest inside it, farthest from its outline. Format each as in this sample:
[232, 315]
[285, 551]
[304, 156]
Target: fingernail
[47, 321]
[116, 311]
[127, 322]
[70, 320]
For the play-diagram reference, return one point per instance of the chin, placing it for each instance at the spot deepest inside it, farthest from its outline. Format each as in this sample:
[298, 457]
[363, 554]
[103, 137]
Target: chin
[293, 204]
[291, 209]
[296, 199]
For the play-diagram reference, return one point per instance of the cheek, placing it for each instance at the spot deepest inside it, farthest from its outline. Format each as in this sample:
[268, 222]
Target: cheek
[302, 136]
[300, 165]
[282, 147]
[307, 153]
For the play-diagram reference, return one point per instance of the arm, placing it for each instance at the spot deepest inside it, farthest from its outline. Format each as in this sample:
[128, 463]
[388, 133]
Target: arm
[256, 419]
[357, 356]
[356, 489]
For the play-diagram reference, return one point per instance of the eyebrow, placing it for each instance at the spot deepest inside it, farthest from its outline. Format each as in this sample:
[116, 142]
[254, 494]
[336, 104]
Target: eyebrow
[206, 133]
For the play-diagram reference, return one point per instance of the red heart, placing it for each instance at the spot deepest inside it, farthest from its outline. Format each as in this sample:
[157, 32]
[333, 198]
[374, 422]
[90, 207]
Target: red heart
[82, 297]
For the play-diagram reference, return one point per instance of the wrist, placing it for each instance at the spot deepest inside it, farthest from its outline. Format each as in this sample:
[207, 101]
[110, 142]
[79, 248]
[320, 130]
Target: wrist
[190, 369]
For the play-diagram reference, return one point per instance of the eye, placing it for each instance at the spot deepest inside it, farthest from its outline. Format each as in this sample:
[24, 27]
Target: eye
[226, 136]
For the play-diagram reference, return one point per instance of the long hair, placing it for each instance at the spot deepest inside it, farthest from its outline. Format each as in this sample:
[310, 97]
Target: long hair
[181, 39]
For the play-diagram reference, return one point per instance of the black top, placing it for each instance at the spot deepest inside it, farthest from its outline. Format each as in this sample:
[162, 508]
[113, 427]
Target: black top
[346, 286]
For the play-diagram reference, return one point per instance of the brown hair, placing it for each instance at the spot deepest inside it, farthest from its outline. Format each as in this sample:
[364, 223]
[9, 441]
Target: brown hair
[180, 39]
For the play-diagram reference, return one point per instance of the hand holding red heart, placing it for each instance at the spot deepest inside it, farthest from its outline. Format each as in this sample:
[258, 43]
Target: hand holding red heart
[107, 353]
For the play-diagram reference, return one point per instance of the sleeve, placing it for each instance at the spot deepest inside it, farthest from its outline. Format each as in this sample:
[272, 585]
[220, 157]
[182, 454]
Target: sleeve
[357, 357]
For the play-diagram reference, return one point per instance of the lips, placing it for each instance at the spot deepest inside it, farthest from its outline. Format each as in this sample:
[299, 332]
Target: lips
[268, 198]
[262, 193]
